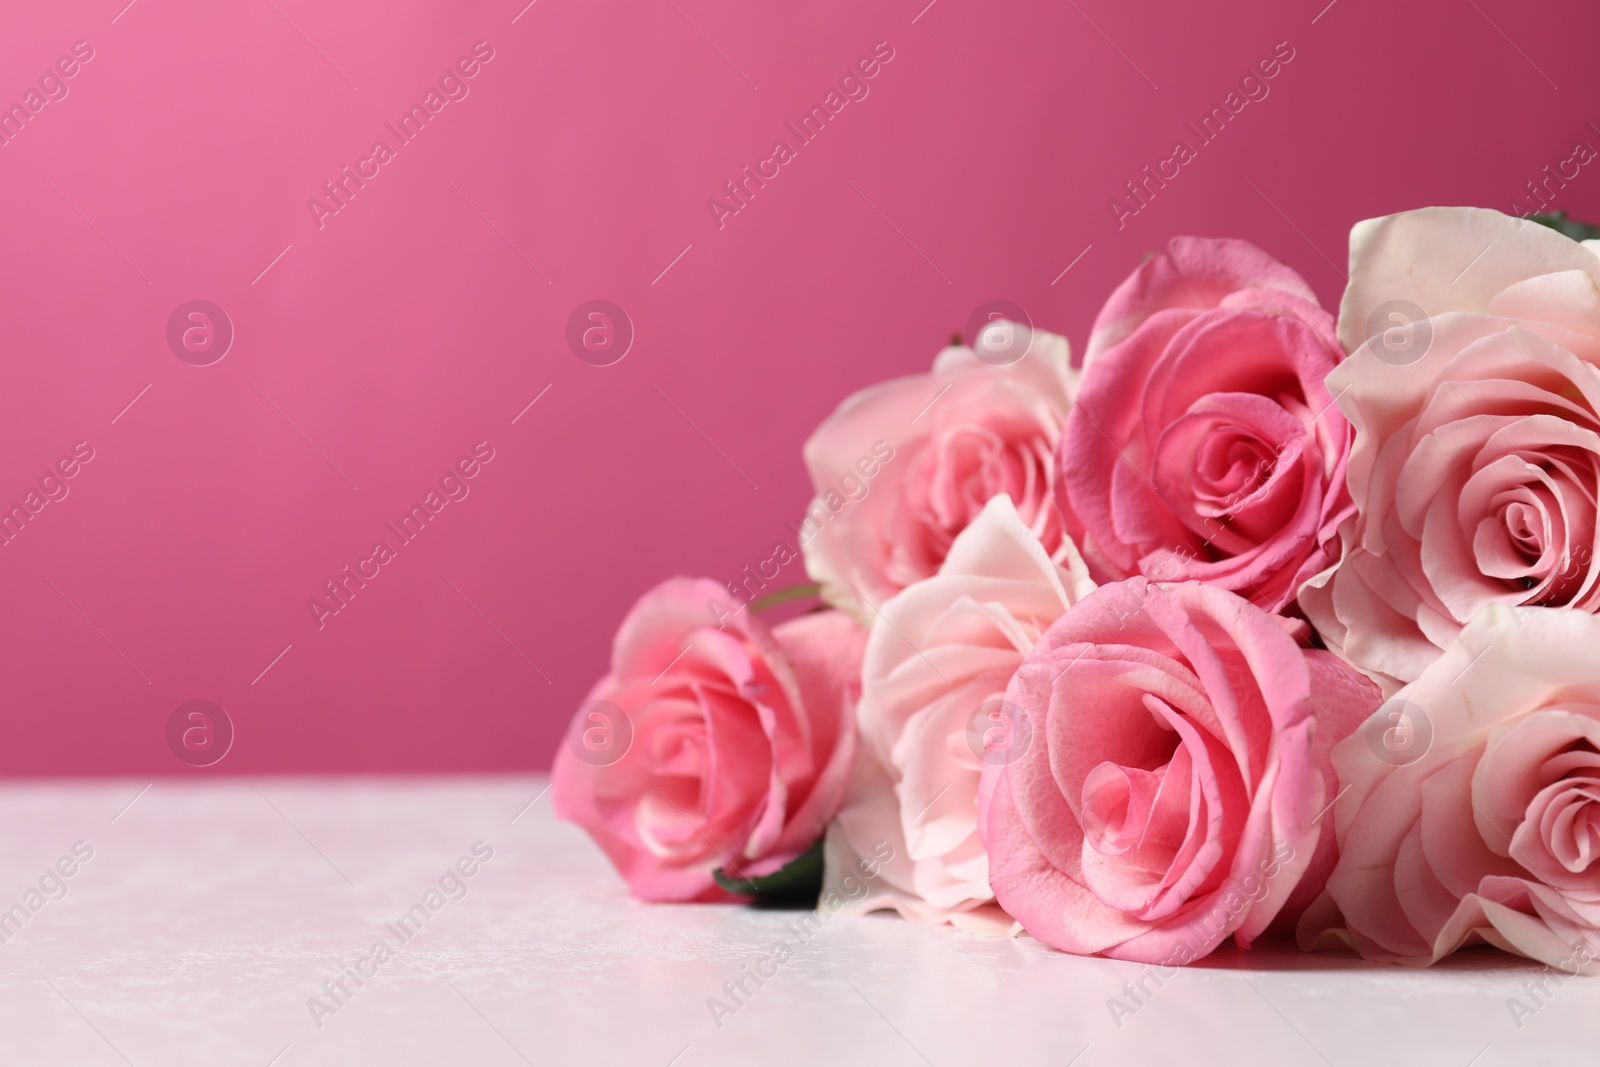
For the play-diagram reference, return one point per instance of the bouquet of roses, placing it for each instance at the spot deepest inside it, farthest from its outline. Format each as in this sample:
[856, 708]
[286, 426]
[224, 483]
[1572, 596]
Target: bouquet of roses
[1260, 624]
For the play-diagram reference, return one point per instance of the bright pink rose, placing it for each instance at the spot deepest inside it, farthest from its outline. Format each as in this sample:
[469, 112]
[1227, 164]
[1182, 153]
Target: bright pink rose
[1178, 764]
[1204, 444]
[1491, 832]
[741, 742]
[904, 466]
[937, 662]
[1475, 395]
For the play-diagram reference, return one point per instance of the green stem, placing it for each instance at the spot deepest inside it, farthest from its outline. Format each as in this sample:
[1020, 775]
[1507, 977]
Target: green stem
[783, 596]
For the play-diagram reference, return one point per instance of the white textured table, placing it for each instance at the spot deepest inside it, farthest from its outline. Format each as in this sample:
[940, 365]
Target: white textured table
[210, 914]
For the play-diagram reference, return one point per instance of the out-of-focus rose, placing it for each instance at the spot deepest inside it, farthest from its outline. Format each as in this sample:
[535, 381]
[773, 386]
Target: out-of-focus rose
[1204, 445]
[904, 466]
[1491, 832]
[938, 661]
[1178, 766]
[741, 742]
[1473, 390]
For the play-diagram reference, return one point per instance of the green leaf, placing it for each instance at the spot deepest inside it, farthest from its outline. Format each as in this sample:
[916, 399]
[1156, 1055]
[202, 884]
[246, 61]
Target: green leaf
[1558, 221]
[798, 882]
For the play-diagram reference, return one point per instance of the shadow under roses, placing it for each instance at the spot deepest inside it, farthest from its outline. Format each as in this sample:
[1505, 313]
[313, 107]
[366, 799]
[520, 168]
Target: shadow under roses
[737, 992]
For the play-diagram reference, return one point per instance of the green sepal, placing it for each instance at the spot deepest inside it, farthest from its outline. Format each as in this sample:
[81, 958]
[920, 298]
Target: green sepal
[797, 882]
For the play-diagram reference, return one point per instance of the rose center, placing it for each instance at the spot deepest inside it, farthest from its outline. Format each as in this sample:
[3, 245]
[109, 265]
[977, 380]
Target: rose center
[1532, 526]
[1232, 470]
[1526, 526]
[1231, 467]
[1565, 814]
[969, 467]
[1129, 809]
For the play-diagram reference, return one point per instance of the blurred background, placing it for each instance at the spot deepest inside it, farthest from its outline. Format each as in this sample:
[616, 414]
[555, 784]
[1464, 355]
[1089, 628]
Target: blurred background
[244, 344]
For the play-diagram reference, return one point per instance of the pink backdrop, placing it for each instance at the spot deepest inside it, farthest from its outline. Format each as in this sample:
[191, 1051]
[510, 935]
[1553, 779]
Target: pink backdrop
[375, 347]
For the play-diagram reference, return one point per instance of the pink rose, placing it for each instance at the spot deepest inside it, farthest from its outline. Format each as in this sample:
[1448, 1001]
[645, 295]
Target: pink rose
[902, 467]
[1178, 765]
[1476, 407]
[939, 659]
[711, 748]
[1489, 833]
[1204, 444]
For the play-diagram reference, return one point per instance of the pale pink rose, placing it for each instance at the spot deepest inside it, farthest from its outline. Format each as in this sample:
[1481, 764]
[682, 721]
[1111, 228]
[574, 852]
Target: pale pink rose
[1178, 763]
[904, 466]
[1491, 833]
[742, 741]
[1204, 445]
[941, 655]
[1476, 408]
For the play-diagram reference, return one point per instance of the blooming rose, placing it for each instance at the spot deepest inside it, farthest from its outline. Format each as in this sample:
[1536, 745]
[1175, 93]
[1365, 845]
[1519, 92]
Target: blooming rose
[902, 467]
[1204, 444]
[741, 742]
[943, 653]
[1476, 461]
[1178, 765]
[1491, 832]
